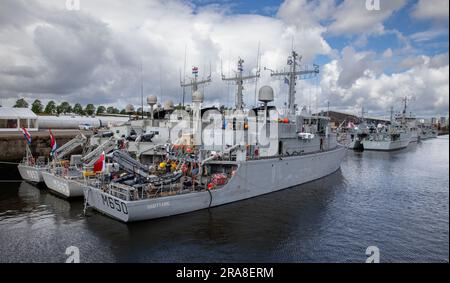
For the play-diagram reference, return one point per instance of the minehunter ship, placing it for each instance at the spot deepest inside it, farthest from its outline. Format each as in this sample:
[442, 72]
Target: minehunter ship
[30, 168]
[62, 175]
[302, 150]
[409, 121]
[427, 131]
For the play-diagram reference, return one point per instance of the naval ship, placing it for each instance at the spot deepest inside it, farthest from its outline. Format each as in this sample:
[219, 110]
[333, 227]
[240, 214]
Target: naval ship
[409, 121]
[32, 169]
[61, 175]
[427, 131]
[299, 148]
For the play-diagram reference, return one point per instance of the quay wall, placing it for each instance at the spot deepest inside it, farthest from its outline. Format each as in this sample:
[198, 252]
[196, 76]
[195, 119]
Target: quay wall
[13, 144]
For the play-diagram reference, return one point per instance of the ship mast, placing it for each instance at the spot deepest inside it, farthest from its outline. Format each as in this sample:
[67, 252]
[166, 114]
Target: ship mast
[194, 80]
[239, 78]
[294, 74]
[405, 101]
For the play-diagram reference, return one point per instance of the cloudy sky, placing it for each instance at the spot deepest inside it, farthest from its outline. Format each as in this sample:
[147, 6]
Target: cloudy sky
[50, 49]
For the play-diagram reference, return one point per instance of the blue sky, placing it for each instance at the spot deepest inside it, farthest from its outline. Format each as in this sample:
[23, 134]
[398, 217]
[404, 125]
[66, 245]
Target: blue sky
[400, 21]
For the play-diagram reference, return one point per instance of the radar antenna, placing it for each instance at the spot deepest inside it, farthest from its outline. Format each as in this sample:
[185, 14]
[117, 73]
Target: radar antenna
[294, 74]
[239, 78]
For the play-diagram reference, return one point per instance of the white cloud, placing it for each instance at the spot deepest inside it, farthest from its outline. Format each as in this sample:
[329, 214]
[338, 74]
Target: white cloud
[436, 10]
[428, 35]
[305, 14]
[352, 17]
[93, 55]
[388, 53]
[426, 81]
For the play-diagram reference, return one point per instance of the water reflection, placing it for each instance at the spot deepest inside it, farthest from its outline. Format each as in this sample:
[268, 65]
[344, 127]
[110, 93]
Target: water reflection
[397, 201]
[225, 226]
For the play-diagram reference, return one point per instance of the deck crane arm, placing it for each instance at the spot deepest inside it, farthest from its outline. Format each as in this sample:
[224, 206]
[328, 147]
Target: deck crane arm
[70, 146]
[92, 157]
[130, 164]
[220, 154]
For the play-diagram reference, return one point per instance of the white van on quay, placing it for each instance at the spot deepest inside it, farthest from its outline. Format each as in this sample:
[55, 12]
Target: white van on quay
[86, 127]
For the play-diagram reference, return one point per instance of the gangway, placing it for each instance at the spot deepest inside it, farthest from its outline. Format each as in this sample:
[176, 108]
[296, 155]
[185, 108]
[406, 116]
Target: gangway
[92, 157]
[69, 147]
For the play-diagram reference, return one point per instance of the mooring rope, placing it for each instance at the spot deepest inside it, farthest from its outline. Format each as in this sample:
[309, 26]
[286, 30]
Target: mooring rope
[11, 163]
[86, 202]
[210, 198]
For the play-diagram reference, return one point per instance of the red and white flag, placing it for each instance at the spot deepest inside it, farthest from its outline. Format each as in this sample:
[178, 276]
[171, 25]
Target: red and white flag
[53, 144]
[27, 135]
[100, 164]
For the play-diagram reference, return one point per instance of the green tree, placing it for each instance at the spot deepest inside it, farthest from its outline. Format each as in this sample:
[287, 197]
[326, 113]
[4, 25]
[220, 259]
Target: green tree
[64, 107]
[110, 110]
[123, 112]
[78, 109]
[50, 108]
[21, 103]
[90, 109]
[101, 109]
[116, 111]
[37, 106]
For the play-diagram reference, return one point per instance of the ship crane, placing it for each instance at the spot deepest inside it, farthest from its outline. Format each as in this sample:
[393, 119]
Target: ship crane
[294, 74]
[239, 78]
[70, 146]
[94, 155]
[130, 164]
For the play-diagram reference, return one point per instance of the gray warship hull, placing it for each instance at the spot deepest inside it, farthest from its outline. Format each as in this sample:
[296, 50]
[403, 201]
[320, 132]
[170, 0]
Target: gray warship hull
[386, 145]
[31, 173]
[62, 186]
[252, 178]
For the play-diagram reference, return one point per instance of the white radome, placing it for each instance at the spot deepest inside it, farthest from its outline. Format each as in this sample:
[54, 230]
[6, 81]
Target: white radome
[198, 97]
[129, 108]
[168, 105]
[152, 100]
[266, 94]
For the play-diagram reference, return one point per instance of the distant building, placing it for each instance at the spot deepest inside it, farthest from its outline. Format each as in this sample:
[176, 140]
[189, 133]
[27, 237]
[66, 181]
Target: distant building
[433, 121]
[13, 119]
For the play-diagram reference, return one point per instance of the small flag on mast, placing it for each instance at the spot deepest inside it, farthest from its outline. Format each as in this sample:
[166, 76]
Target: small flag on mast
[27, 135]
[100, 164]
[195, 71]
[53, 144]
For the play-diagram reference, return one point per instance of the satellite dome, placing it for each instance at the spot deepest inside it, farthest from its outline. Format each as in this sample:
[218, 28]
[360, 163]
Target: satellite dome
[197, 96]
[129, 108]
[168, 105]
[152, 100]
[265, 94]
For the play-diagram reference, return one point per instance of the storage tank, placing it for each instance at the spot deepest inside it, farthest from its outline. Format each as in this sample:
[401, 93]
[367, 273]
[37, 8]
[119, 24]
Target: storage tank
[73, 122]
[67, 122]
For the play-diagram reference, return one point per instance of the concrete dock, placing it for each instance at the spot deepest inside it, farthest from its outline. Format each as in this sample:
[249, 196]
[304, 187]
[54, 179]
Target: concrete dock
[13, 144]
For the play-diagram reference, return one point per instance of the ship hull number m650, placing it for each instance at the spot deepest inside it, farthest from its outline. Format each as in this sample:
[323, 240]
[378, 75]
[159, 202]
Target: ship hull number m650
[115, 204]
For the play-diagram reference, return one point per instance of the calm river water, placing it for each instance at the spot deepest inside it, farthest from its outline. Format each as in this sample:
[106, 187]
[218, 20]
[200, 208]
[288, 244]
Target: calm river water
[398, 202]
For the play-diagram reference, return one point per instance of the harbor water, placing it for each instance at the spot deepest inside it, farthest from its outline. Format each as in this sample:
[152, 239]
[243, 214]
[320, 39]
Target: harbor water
[395, 201]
